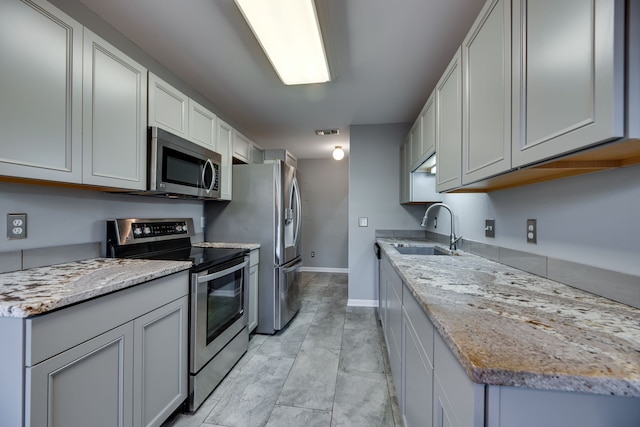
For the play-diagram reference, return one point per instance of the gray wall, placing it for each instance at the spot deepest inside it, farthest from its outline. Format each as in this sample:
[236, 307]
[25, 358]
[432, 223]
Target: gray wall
[590, 219]
[374, 184]
[62, 216]
[324, 186]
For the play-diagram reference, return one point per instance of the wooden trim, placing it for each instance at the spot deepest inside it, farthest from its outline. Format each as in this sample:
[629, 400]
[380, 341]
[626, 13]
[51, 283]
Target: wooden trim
[607, 156]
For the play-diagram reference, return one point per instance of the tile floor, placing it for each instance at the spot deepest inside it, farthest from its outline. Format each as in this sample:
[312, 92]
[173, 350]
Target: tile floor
[327, 368]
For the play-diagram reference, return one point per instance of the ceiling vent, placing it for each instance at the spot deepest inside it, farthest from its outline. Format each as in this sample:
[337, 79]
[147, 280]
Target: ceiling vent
[326, 132]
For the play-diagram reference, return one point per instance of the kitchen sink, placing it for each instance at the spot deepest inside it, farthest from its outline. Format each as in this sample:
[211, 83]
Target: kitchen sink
[420, 250]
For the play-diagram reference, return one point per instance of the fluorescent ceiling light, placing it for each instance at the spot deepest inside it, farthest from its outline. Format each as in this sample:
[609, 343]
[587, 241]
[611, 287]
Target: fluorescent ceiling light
[289, 33]
[338, 153]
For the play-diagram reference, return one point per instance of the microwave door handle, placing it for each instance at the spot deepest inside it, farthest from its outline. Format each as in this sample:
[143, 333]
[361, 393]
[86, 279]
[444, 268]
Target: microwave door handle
[213, 174]
[219, 274]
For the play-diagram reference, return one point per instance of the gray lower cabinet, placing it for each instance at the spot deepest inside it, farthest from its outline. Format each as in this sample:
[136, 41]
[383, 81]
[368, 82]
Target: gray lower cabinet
[457, 401]
[160, 363]
[117, 360]
[254, 259]
[417, 372]
[87, 385]
[435, 391]
[393, 321]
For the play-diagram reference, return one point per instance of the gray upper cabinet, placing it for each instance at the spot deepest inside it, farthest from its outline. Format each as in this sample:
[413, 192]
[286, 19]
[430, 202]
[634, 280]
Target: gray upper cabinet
[423, 134]
[168, 107]
[428, 116]
[405, 178]
[416, 143]
[203, 126]
[449, 125]
[241, 147]
[486, 111]
[225, 148]
[568, 65]
[41, 102]
[114, 117]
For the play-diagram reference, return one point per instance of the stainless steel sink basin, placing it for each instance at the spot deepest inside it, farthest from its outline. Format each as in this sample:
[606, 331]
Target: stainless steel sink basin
[420, 250]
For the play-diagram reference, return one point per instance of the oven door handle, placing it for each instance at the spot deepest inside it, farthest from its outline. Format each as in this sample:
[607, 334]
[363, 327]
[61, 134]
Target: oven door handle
[222, 273]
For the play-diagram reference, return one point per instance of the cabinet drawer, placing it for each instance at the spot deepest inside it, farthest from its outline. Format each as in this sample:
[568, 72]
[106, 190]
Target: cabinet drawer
[52, 333]
[417, 318]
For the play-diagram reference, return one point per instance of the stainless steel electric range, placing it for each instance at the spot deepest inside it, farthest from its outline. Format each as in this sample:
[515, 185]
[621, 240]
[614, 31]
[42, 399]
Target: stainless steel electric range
[218, 334]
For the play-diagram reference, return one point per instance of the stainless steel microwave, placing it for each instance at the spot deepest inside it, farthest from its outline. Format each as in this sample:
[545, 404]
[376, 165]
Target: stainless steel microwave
[181, 168]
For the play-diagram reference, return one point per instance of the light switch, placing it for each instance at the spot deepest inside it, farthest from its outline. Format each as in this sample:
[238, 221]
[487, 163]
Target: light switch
[363, 221]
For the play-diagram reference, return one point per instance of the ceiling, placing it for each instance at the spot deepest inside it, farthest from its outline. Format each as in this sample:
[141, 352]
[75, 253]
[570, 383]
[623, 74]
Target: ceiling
[387, 56]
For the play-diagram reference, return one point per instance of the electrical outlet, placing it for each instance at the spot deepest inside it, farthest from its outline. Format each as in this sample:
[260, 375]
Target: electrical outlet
[313, 254]
[489, 228]
[532, 231]
[435, 222]
[16, 226]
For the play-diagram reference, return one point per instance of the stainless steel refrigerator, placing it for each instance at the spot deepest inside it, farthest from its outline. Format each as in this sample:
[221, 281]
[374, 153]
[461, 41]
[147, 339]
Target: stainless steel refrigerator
[265, 209]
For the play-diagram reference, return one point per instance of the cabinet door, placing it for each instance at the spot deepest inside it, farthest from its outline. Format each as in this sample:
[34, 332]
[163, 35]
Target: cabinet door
[225, 148]
[449, 126]
[202, 126]
[429, 128]
[416, 144]
[253, 298]
[394, 328]
[114, 117]
[568, 60]
[168, 107]
[405, 172]
[457, 400]
[160, 363]
[486, 117]
[41, 101]
[417, 380]
[443, 414]
[87, 385]
[241, 147]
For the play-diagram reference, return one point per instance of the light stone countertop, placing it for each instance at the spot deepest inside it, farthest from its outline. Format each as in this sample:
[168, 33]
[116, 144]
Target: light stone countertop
[511, 328]
[39, 290]
[224, 245]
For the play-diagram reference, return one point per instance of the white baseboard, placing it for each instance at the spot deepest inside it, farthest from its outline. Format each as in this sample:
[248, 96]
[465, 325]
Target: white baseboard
[324, 270]
[362, 303]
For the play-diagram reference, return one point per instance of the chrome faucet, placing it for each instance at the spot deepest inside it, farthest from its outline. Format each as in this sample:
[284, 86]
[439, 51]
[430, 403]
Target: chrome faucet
[452, 238]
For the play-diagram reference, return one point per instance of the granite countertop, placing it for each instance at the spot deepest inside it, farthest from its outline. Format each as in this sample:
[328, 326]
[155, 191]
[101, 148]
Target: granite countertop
[511, 328]
[39, 290]
[248, 246]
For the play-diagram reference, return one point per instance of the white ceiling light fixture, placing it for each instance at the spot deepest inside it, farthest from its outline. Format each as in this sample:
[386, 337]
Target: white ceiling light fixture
[289, 33]
[338, 153]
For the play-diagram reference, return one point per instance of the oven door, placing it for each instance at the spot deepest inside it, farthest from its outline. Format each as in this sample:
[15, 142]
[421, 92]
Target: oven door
[217, 309]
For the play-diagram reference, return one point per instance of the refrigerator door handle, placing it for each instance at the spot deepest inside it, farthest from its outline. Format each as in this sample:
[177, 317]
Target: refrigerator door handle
[290, 269]
[296, 191]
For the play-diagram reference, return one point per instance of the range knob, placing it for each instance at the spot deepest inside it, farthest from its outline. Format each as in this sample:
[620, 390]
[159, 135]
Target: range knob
[137, 231]
[184, 228]
[147, 230]
[178, 228]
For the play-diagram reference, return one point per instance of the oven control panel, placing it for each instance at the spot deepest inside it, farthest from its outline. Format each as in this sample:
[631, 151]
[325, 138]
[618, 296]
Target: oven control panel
[128, 231]
[140, 230]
